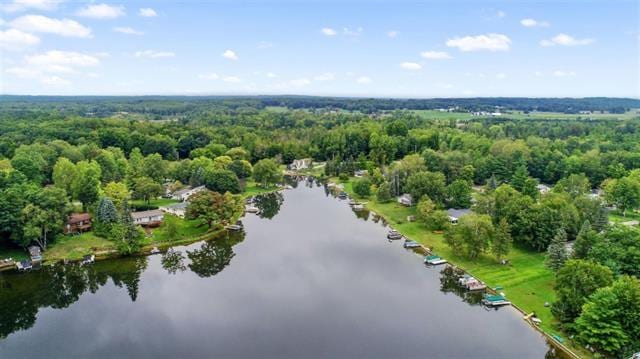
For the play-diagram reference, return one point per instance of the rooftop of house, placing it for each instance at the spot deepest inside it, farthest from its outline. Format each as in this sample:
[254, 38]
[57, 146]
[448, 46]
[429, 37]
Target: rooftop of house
[78, 217]
[181, 205]
[458, 213]
[145, 214]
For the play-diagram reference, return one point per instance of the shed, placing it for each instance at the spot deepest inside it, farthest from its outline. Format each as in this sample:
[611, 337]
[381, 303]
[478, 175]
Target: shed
[35, 253]
[406, 200]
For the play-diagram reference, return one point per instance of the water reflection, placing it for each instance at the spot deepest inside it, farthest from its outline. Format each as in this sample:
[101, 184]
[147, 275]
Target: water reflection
[449, 283]
[213, 256]
[269, 204]
[173, 261]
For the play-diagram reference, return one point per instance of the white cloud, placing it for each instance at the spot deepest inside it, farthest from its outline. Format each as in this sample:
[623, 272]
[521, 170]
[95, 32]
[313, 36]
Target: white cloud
[265, 45]
[128, 31]
[232, 79]
[101, 11]
[300, 82]
[411, 66]
[151, 54]
[501, 13]
[22, 5]
[560, 73]
[147, 12]
[55, 81]
[533, 23]
[565, 40]
[488, 42]
[392, 34]
[352, 32]
[39, 23]
[23, 72]
[16, 40]
[363, 80]
[62, 58]
[435, 55]
[501, 76]
[271, 75]
[328, 31]
[209, 76]
[327, 76]
[229, 54]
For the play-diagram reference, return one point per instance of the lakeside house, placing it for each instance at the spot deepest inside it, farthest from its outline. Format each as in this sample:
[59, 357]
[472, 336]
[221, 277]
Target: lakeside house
[300, 164]
[406, 200]
[77, 223]
[456, 214]
[176, 209]
[185, 193]
[151, 218]
[360, 173]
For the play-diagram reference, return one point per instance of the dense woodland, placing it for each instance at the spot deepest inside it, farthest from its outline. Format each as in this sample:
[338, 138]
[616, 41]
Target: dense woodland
[101, 152]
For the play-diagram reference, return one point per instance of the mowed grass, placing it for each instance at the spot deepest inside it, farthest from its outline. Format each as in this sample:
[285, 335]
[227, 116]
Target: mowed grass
[76, 246]
[617, 217]
[526, 281]
[252, 188]
[185, 229]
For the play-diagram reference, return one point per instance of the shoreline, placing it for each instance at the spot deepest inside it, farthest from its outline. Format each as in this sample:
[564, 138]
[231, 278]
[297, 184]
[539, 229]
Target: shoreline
[552, 341]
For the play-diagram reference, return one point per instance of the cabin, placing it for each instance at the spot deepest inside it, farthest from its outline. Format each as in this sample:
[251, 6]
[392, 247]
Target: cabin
[151, 218]
[35, 253]
[456, 214]
[406, 200]
[78, 223]
[176, 209]
[300, 164]
[543, 188]
[185, 193]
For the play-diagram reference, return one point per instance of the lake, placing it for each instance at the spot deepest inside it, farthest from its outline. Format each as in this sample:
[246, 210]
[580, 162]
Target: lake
[308, 278]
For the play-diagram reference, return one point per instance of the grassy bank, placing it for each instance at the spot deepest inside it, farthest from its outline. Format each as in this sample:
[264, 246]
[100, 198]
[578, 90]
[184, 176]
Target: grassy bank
[526, 282]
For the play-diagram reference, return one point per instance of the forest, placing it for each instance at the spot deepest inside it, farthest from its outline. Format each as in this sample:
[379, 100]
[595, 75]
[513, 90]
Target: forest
[567, 190]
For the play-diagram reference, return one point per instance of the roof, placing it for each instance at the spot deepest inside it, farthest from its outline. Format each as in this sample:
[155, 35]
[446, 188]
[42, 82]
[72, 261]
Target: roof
[457, 213]
[182, 191]
[34, 251]
[78, 217]
[144, 214]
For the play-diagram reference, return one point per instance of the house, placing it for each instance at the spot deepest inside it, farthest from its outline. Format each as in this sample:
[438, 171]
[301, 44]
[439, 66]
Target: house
[405, 200]
[543, 188]
[456, 214]
[35, 253]
[176, 209]
[78, 223]
[185, 193]
[151, 218]
[301, 164]
[360, 173]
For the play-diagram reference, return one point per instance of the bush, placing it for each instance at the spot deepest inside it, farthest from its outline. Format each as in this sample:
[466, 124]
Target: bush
[343, 177]
[362, 187]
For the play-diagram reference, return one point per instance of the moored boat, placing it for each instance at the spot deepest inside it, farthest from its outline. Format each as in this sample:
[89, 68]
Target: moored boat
[434, 260]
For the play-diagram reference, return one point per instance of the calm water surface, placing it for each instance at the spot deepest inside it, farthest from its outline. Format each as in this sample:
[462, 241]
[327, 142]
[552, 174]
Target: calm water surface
[308, 279]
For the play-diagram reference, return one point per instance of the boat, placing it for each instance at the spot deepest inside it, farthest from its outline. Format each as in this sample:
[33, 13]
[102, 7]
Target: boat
[342, 195]
[495, 300]
[358, 207]
[352, 202]
[411, 244]
[393, 234]
[154, 250]
[233, 227]
[88, 259]
[471, 283]
[434, 260]
[24, 265]
[252, 209]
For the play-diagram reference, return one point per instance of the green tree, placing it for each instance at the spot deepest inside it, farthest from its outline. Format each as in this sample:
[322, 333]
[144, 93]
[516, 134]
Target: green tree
[154, 167]
[425, 209]
[221, 181]
[266, 172]
[213, 207]
[86, 187]
[459, 194]
[126, 234]
[609, 319]
[43, 218]
[64, 174]
[362, 187]
[502, 241]
[438, 220]
[575, 282]
[146, 189]
[242, 168]
[171, 227]
[431, 184]
[472, 236]
[383, 194]
[623, 192]
[520, 177]
[575, 185]
[117, 192]
[584, 241]
[557, 251]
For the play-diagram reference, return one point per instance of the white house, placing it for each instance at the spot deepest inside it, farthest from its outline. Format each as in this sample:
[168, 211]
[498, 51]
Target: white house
[150, 218]
[185, 193]
[543, 188]
[405, 200]
[176, 209]
[301, 164]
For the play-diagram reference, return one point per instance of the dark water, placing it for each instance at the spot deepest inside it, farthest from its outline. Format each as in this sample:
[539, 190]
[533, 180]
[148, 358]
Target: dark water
[309, 280]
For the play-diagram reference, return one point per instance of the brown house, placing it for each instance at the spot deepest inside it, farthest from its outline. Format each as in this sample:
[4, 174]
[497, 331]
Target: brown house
[78, 223]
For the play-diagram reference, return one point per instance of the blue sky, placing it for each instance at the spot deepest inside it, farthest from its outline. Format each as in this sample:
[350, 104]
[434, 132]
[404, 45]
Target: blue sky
[356, 48]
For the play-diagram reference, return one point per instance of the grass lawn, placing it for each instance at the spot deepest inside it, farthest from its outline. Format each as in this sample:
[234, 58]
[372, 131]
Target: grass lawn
[185, 229]
[16, 253]
[617, 217]
[251, 189]
[75, 247]
[526, 282]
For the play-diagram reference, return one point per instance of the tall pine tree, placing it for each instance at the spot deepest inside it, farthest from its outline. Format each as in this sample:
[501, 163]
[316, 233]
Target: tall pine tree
[557, 251]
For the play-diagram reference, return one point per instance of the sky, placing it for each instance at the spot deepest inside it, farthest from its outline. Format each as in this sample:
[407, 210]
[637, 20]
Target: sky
[417, 49]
